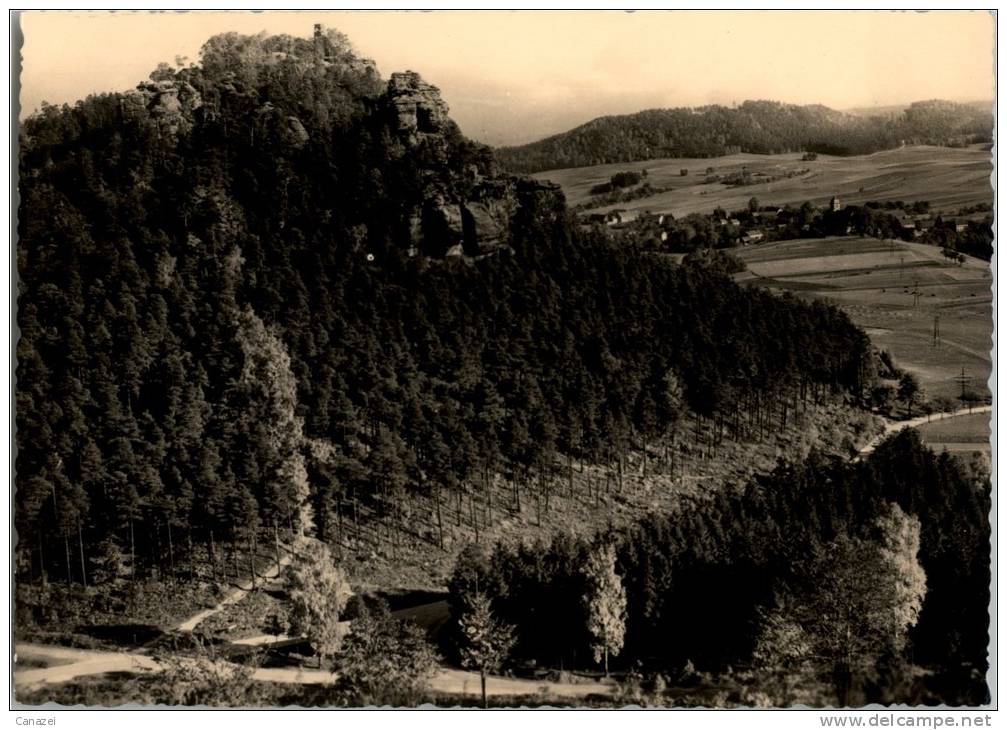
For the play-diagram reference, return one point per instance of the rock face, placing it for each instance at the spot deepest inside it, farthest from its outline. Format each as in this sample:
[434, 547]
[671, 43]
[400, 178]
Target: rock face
[466, 209]
[474, 228]
[278, 128]
[480, 224]
[416, 106]
[171, 103]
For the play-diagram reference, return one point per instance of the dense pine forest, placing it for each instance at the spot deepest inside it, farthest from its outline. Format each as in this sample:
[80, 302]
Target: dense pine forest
[271, 283]
[759, 127]
[273, 297]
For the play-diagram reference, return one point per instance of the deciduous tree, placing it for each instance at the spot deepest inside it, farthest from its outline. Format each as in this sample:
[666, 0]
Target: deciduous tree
[605, 603]
[384, 661]
[318, 591]
[857, 601]
[486, 642]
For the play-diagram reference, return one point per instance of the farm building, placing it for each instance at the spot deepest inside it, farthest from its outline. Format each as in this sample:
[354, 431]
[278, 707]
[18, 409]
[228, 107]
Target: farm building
[751, 237]
[622, 216]
[613, 217]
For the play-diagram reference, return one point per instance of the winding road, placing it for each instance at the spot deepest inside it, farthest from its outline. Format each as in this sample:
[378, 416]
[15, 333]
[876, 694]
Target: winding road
[896, 426]
[64, 664]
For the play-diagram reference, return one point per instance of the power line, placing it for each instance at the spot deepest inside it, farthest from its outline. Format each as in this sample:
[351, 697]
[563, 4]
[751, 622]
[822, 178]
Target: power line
[963, 380]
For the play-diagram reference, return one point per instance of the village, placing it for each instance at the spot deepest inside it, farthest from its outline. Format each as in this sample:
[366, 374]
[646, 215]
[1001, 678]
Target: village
[759, 223]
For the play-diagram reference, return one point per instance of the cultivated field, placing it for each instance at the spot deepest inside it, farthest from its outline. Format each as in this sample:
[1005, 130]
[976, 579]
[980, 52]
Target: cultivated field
[873, 281]
[948, 178]
[965, 433]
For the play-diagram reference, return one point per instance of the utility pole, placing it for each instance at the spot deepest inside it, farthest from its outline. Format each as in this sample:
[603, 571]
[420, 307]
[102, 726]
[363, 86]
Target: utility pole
[916, 292]
[963, 380]
[937, 330]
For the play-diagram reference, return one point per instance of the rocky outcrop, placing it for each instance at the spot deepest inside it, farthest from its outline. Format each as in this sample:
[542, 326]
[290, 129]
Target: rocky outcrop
[416, 106]
[481, 224]
[273, 126]
[170, 103]
[466, 206]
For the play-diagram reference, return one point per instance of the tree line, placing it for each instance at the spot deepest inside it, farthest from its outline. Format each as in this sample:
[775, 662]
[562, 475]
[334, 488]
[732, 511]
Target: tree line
[835, 574]
[759, 127]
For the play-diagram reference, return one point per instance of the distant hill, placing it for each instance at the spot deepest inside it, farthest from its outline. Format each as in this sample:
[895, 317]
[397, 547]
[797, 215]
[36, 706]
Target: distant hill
[889, 110]
[761, 127]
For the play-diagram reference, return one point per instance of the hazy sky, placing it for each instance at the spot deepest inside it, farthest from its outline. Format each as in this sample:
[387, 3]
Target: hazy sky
[512, 77]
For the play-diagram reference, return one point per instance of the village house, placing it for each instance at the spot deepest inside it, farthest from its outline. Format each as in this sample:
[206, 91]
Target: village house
[624, 216]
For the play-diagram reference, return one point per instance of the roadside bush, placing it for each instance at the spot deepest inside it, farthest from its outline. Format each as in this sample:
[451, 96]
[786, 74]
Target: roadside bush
[384, 661]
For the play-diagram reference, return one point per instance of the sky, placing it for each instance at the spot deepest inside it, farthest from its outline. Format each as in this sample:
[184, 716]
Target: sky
[512, 77]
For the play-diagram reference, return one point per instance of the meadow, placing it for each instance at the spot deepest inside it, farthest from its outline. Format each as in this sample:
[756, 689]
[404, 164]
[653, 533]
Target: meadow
[895, 290]
[949, 178]
[963, 434]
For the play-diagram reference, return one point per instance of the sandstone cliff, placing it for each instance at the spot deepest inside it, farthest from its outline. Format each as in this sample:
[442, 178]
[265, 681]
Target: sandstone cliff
[466, 211]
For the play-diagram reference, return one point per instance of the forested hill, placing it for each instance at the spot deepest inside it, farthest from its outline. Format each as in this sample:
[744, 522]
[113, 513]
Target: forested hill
[258, 285]
[760, 127]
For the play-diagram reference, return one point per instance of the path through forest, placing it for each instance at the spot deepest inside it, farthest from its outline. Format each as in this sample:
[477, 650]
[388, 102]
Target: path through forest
[242, 590]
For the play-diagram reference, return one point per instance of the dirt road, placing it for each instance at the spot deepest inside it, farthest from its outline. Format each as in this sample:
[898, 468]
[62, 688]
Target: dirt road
[89, 662]
[73, 663]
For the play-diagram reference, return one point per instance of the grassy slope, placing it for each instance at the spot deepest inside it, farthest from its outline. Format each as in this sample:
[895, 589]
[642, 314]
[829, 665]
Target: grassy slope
[948, 178]
[972, 431]
[873, 282]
